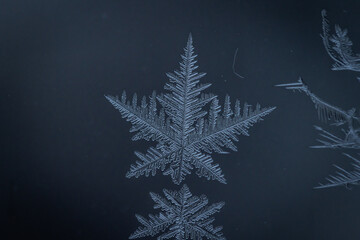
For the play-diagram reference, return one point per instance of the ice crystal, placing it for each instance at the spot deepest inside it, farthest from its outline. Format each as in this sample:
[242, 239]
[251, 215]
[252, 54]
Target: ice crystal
[183, 215]
[186, 133]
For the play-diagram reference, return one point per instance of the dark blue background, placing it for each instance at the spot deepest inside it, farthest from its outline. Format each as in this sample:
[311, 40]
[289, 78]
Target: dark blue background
[65, 150]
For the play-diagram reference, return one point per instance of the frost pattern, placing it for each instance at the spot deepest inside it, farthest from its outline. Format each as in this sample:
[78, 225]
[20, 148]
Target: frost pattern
[338, 46]
[185, 216]
[185, 132]
[340, 51]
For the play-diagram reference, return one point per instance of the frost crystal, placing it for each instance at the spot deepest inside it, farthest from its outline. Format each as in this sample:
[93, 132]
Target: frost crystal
[185, 216]
[185, 136]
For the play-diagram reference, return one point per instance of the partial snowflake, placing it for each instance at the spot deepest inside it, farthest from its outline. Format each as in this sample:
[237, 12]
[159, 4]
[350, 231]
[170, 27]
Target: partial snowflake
[186, 133]
[338, 46]
[184, 216]
[340, 51]
[338, 117]
[350, 140]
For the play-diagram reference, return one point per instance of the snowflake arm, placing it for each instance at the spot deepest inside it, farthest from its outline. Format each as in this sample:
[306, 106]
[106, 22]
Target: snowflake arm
[325, 110]
[183, 105]
[206, 168]
[151, 227]
[330, 112]
[222, 131]
[206, 212]
[144, 120]
[332, 141]
[344, 177]
[150, 162]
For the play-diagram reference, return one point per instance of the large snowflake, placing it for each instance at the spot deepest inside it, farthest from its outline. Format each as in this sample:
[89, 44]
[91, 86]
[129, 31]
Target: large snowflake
[186, 137]
[185, 216]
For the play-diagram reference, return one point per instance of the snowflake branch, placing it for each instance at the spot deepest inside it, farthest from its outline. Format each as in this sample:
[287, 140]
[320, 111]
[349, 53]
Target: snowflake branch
[343, 177]
[150, 128]
[326, 112]
[227, 130]
[150, 162]
[340, 51]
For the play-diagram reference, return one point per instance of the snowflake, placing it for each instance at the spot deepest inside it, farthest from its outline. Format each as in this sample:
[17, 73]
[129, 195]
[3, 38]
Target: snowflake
[185, 216]
[185, 136]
